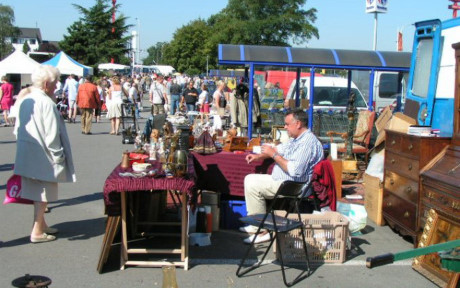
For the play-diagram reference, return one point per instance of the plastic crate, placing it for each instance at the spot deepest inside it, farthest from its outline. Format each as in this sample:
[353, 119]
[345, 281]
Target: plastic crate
[230, 213]
[326, 236]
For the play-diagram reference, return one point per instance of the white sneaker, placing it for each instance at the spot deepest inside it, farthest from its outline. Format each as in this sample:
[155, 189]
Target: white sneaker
[260, 238]
[250, 229]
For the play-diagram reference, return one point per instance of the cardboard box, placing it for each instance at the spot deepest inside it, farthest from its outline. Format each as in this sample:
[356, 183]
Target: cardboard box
[398, 122]
[373, 198]
[383, 119]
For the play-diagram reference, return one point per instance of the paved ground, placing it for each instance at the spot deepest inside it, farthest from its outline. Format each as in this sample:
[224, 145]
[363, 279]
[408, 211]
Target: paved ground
[79, 214]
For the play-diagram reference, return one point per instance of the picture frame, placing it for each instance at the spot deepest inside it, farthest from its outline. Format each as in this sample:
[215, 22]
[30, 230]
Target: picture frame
[438, 229]
[278, 133]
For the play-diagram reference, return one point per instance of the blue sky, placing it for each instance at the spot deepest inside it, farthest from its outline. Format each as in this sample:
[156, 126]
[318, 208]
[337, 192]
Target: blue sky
[342, 24]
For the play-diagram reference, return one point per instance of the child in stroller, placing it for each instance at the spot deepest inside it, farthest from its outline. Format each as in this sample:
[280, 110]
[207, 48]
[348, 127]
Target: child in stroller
[62, 105]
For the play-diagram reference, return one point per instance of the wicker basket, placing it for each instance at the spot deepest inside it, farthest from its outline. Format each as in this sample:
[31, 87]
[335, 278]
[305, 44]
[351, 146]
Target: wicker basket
[326, 235]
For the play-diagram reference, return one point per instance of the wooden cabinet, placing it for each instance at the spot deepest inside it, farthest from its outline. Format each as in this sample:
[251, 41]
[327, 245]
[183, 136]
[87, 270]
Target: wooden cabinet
[405, 156]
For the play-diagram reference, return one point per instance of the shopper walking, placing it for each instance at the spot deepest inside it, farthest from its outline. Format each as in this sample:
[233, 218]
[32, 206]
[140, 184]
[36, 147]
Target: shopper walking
[88, 99]
[6, 99]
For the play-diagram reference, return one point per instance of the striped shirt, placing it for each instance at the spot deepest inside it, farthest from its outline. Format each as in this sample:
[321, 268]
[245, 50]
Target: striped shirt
[303, 153]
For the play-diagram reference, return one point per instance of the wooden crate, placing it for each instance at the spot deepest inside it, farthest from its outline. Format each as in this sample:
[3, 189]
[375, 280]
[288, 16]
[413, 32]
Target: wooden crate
[373, 199]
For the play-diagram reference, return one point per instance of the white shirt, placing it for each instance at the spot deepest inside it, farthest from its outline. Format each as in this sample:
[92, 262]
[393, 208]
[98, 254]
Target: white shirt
[202, 97]
[132, 94]
[71, 86]
[158, 91]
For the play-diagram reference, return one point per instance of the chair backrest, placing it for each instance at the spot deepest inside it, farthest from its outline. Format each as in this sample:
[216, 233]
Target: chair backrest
[364, 126]
[291, 189]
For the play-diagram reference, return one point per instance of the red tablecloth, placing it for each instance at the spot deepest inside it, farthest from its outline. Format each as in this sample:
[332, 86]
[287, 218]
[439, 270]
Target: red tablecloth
[224, 172]
[116, 183]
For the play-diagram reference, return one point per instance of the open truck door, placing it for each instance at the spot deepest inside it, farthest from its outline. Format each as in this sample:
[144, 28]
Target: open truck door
[430, 93]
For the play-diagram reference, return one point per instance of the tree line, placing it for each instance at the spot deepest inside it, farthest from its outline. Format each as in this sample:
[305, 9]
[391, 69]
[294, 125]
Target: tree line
[94, 39]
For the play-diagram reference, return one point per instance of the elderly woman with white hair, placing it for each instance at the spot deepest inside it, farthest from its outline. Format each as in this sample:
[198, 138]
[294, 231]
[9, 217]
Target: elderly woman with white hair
[43, 154]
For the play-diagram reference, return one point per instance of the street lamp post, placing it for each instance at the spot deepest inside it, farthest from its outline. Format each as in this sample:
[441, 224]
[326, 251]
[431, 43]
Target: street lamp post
[138, 50]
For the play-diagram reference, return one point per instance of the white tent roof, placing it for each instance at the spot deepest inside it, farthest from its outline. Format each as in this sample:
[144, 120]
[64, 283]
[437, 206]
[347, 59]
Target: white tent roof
[112, 66]
[18, 63]
[68, 66]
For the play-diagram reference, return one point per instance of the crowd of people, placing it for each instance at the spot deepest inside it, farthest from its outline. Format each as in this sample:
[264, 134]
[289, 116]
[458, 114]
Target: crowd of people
[167, 95]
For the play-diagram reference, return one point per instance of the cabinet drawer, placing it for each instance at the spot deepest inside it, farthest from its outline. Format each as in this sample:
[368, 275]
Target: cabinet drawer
[443, 201]
[402, 165]
[401, 210]
[410, 146]
[403, 187]
[393, 142]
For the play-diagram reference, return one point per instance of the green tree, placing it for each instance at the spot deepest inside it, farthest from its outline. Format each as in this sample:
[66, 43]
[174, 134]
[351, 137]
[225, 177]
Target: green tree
[187, 51]
[156, 53]
[265, 22]
[25, 47]
[249, 22]
[93, 39]
[7, 30]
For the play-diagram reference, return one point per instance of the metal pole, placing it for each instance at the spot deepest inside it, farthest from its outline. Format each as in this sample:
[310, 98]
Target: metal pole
[251, 100]
[138, 60]
[375, 31]
[207, 66]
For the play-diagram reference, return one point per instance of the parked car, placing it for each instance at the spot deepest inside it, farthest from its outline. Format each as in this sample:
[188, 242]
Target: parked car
[330, 93]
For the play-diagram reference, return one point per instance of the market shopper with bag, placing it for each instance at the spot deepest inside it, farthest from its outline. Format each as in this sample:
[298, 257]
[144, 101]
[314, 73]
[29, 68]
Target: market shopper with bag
[43, 154]
[219, 98]
[157, 95]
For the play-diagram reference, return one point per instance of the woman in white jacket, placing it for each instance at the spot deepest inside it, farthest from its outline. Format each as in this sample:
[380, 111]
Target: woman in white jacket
[43, 155]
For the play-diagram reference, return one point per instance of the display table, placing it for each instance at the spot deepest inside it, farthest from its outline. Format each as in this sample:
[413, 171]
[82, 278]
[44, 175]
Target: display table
[224, 172]
[115, 189]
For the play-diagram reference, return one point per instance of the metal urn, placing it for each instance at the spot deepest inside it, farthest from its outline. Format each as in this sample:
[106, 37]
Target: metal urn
[180, 162]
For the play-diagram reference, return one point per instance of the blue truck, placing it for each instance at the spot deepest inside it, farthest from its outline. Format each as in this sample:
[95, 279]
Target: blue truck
[430, 93]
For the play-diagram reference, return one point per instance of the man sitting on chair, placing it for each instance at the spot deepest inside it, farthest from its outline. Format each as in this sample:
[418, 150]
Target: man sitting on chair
[294, 161]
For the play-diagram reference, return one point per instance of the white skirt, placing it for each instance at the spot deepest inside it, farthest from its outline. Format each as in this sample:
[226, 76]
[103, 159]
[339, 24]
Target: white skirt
[37, 190]
[114, 110]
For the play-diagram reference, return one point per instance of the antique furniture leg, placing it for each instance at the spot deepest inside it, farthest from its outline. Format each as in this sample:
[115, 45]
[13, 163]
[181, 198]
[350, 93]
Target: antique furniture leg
[124, 238]
[184, 231]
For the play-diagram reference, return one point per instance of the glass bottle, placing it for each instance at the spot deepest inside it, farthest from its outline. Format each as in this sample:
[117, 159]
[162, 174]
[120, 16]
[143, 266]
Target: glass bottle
[201, 220]
[169, 277]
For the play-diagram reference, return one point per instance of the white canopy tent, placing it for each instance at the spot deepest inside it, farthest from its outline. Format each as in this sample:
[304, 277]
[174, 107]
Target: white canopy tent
[112, 66]
[19, 63]
[68, 66]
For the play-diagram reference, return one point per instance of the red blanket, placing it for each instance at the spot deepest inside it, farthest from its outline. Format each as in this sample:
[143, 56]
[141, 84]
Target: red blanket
[323, 184]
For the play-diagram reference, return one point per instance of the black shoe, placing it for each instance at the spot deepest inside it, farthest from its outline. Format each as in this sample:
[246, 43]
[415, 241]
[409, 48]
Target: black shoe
[83, 132]
[89, 133]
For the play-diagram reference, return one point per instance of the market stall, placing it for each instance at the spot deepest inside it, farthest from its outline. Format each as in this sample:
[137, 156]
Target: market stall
[251, 56]
[19, 67]
[67, 65]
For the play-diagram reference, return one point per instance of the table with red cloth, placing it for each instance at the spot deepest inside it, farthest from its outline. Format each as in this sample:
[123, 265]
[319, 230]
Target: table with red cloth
[115, 189]
[224, 172]
[114, 184]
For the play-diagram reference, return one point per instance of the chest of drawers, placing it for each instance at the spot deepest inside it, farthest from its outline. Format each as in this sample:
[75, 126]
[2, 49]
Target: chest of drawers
[405, 156]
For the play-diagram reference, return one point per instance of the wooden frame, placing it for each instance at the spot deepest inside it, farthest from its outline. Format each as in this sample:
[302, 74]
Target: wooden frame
[437, 229]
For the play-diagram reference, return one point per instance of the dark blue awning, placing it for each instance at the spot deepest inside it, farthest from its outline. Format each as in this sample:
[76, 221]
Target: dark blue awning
[311, 57]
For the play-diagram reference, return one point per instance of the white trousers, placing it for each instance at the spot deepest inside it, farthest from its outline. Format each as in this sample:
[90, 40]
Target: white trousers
[257, 188]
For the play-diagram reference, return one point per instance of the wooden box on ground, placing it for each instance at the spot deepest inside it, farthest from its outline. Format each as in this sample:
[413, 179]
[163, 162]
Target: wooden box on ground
[326, 236]
[373, 198]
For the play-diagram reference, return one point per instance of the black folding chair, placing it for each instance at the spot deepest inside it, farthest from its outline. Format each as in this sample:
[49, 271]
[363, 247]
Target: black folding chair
[294, 191]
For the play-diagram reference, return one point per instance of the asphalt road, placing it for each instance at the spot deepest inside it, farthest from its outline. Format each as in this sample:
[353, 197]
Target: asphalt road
[71, 260]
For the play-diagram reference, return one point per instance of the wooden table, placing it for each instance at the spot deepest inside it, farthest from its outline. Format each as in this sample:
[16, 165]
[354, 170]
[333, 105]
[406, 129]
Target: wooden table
[116, 188]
